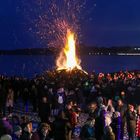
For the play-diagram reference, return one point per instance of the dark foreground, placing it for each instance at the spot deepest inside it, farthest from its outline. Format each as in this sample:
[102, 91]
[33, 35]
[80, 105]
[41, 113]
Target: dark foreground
[65, 105]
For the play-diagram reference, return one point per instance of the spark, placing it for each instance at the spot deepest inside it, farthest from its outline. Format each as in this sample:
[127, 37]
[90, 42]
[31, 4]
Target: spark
[50, 19]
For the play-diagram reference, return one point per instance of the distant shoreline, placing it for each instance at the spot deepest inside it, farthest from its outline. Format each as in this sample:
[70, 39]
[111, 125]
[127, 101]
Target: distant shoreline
[95, 51]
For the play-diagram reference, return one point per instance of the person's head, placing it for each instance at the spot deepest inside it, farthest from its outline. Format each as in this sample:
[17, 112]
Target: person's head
[0, 86]
[45, 87]
[26, 89]
[74, 103]
[138, 109]
[60, 90]
[10, 90]
[131, 107]
[24, 119]
[44, 99]
[33, 86]
[100, 100]
[44, 128]
[93, 105]
[109, 102]
[28, 127]
[50, 90]
[15, 119]
[122, 93]
[120, 102]
[69, 106]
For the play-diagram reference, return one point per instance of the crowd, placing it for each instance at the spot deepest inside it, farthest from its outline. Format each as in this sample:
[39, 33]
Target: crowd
[72, 105]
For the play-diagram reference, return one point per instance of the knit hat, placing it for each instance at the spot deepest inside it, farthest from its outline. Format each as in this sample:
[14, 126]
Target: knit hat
[17, 128]
[6, 137]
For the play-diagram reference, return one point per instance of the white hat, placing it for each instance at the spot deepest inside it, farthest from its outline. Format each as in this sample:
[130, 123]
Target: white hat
[6, 137]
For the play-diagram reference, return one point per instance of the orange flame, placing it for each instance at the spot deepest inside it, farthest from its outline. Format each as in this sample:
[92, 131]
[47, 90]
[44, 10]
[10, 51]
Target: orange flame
[67, 58]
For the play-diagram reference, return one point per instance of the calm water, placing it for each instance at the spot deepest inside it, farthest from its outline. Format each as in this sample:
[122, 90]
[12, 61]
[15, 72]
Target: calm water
[30, 65]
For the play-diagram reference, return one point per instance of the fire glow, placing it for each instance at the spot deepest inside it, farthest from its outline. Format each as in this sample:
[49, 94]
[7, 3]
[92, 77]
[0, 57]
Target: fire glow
[68, 59]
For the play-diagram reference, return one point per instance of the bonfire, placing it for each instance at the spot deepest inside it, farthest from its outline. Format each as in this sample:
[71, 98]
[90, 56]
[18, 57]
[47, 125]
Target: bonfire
[68, 59]
[69, 71]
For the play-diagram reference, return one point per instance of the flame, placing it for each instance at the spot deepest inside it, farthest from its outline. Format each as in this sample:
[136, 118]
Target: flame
[67, 58]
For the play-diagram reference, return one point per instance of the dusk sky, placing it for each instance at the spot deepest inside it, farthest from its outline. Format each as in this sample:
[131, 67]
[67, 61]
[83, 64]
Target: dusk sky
[111, 23]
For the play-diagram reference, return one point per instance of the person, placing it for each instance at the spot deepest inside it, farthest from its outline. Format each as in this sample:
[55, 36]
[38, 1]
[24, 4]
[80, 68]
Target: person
[10, 101]
[60, 97]
[138, 123]
[23, 121]
[17, 132]
[44, 110]
[68, 110]
[93, 109]
[116, 125]
[42, 133]
[99, 125]
[109, 134]
[15, 120]
[74, 116]
[27, 131]
[121, 107]
[131, 121]
[25, 97]
[34, 97]
[61, 127]
[110, 107]
[88, 130]
[5, 129]
[2, 100]
[100, 104]
[68, 113]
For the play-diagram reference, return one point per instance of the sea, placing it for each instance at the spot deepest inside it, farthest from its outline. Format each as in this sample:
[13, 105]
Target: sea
[29, 66]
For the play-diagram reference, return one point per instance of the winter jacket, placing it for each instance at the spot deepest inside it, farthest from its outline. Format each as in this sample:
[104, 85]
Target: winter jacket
[138, 125]
[131, 122]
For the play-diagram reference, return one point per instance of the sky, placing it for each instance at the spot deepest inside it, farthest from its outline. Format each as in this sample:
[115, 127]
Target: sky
[111, 23]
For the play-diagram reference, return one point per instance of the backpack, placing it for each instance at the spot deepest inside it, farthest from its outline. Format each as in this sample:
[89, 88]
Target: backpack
[60, 99]
[76, 131]
[89, 131]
